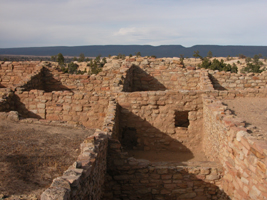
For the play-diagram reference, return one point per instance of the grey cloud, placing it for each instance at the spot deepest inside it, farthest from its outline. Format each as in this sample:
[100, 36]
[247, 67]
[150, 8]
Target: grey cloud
[82, 22]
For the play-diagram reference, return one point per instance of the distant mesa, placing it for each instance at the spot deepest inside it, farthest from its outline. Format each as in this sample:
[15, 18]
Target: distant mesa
[146, 50]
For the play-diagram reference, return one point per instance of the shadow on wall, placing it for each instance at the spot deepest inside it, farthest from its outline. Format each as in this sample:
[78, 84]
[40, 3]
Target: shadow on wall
[140, 138]
[52, 84]
[2, 86]
[215, 83]
[23, 111]
[131, 178]
[145, 181]
[142, 81]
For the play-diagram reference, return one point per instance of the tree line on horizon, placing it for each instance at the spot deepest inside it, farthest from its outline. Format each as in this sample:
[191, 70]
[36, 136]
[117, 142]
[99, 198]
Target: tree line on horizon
[252, 64]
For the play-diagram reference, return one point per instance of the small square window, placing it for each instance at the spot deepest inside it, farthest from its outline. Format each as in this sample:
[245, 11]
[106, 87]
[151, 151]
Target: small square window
[181, 119]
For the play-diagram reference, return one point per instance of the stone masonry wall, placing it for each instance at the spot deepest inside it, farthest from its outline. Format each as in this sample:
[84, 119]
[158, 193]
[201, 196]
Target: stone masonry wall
[42, 92]
[12, 73]
[152, 114]
[82, 108]
[243, 156]
[154, 75]
[104, 81]
[232, 81]
[84, 180]
[132, 178]
[149, 74]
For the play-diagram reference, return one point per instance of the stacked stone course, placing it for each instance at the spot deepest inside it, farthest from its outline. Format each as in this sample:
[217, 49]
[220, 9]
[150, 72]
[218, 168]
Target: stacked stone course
[242, 155]
[82, 108]
[145, 112]
[12, 73]
[229, 81]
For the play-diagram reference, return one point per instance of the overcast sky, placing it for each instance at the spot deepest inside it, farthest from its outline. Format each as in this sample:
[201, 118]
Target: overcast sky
[33, 23]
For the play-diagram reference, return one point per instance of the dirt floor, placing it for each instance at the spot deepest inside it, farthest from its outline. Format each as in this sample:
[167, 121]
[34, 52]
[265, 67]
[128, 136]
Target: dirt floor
[31, 156]
[184, 158]
[254, 113]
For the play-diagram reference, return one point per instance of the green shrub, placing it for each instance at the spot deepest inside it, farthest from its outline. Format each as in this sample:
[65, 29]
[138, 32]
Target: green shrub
[218, 65]
[72, 68]
[254, 65]
[97, 64]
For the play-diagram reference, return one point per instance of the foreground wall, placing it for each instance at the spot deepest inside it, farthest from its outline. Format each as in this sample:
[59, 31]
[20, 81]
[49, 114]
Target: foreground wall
[243, 156]
[85, 178]
[130, 178]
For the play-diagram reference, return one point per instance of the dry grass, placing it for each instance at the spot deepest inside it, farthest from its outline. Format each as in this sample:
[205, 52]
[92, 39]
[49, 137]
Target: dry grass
[32, 155]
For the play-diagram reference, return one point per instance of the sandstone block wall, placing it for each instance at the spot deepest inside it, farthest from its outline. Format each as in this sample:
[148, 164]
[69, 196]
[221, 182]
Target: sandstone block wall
[42, 92]
[85, 178]
[146, 74]
[164, 76]
[130, 178]
[243, 156]
[104, 81]
[139, 179]
[230, 81]
[152, 115]
[205, 82]
[83, 108]
[12, 73]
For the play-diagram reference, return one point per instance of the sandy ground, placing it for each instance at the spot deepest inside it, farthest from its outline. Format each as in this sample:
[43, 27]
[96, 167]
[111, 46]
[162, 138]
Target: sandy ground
[168, 156]
[31, 156]
[254, 113]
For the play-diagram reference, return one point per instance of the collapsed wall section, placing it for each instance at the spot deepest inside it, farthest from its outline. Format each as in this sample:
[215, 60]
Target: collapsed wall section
[6, 100]
[242, 155]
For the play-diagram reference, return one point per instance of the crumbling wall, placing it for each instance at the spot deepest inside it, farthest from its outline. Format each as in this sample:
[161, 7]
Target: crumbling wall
[152, 115]
[6, 100]
[232, 81]
[243, 156]
[85, 178]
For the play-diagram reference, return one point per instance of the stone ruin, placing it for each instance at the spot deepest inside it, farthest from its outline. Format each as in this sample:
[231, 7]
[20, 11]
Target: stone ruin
[151, 116]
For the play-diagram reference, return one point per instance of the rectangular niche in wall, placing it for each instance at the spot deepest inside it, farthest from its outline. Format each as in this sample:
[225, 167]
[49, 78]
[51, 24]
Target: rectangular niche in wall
[181, 119]
[129, 138]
